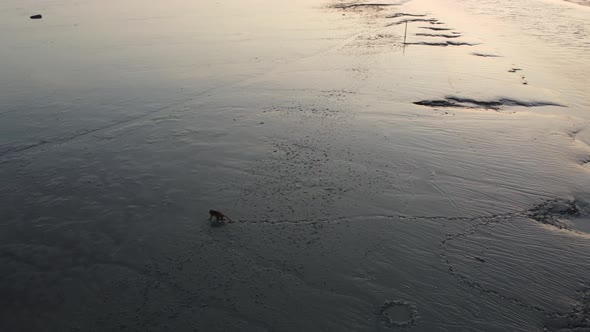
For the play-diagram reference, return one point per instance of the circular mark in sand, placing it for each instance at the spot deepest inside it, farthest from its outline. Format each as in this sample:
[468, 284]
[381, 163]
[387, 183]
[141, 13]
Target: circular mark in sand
[398, 313]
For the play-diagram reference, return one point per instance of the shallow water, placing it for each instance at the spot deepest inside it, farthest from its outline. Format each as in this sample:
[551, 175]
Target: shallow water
[374, 186]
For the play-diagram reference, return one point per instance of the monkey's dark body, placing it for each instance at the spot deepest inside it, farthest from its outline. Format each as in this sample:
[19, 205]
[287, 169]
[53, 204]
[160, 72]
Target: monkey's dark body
[219, 217]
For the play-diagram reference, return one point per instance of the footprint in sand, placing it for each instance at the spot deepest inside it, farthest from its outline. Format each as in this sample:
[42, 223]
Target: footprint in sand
[398, 313]
[522, 77]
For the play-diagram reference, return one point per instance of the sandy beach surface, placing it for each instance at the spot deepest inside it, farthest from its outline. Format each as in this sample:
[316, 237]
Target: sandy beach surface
[441, 184]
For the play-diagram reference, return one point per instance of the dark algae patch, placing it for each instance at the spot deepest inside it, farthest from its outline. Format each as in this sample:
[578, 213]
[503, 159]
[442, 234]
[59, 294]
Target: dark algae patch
[363, 5]
[435, 28]
[554, 212]
[429, 20]
[456, 102]
[396, 15]
[442, 44]
[484, 55]
[437, 35]
[437, 103]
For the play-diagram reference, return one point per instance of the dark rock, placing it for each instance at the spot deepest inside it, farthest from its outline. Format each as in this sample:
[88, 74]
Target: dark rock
[36, 17]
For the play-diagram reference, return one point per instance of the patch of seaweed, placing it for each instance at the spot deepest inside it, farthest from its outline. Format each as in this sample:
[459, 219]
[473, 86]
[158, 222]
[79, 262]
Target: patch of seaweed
[435, 28]
[396, 15]
[554, 211]
[363, 5]
[429, 20]
[438, 35]
[442, 44]
[484, 55]
[438, 103]
[457, 102]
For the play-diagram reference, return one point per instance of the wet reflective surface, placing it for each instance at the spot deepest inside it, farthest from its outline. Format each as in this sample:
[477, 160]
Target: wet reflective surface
[373, 185]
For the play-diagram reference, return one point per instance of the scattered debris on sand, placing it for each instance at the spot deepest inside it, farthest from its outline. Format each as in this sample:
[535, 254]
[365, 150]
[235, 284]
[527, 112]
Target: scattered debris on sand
[554, 212]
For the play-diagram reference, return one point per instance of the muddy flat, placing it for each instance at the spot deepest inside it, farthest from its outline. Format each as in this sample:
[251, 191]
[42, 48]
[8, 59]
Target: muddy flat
[385, 166]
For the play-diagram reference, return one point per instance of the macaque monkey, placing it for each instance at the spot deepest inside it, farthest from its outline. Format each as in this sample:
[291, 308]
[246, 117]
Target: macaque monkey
[218, 216]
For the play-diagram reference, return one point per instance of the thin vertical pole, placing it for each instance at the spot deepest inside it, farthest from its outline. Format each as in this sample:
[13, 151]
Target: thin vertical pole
[406, 33]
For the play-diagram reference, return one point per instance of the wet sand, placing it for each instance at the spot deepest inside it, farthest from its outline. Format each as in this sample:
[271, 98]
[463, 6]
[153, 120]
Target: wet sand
[436, 185]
